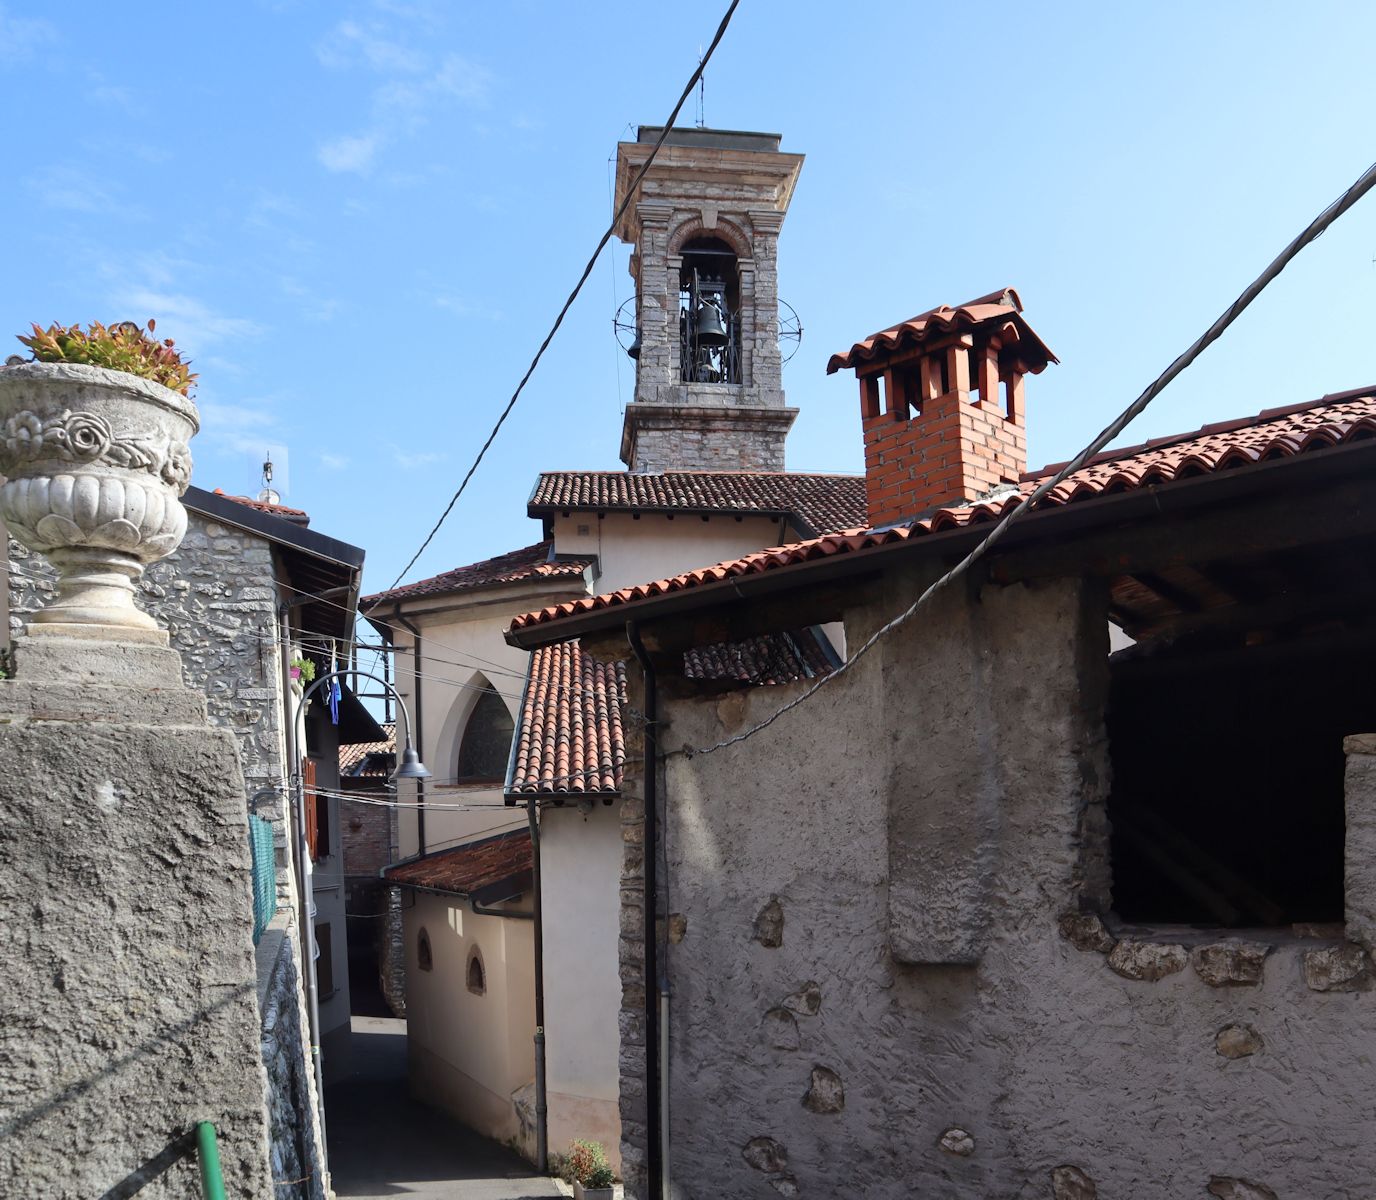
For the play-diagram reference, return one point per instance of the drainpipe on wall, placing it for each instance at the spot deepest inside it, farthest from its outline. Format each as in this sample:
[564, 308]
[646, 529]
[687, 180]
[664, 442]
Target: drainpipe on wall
[420, 724]
[656, 1064]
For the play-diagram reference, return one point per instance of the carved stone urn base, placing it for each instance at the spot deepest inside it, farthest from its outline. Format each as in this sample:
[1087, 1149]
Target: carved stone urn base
[95, 462]
[93, 584]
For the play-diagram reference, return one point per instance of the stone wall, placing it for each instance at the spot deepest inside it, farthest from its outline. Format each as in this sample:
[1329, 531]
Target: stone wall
[215, 596]
[293, 1142]
[887, 977]
[128, 1013]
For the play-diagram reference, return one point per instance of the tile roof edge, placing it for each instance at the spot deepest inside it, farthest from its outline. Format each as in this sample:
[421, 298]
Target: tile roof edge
[1113, 453]
[429, 855]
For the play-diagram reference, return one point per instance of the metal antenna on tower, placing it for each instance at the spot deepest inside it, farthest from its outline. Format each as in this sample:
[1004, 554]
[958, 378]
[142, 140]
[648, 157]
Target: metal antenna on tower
[702, 92]
[267, 495]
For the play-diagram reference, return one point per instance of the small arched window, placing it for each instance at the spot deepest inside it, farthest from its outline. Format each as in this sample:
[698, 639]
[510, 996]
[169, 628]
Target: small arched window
[486, 741]
[424, 959]
[477, 981]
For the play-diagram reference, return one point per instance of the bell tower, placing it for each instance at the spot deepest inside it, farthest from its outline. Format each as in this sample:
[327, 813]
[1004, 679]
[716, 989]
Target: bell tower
[705, 224]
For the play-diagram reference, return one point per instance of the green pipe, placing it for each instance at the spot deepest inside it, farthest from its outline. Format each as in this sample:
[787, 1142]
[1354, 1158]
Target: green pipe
[208, 1154]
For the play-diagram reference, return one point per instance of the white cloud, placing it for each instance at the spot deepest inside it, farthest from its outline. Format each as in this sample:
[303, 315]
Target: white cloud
[239, 416]
[421, 458]
[21, 36]
[191, 323]
[349, 153]
[71, 189]
[412, 83]
[333, 462]
[350, 43]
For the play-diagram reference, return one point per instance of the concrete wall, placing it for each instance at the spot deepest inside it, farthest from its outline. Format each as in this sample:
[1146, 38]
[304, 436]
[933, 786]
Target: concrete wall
[881, 983]
[580, 863]
[129, 1010]
[469, 1053]
[215, 596]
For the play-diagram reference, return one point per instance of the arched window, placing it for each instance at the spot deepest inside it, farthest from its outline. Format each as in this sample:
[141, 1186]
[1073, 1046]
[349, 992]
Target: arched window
[486, 741]
[709, 291]
[424, 959]
[477, 981]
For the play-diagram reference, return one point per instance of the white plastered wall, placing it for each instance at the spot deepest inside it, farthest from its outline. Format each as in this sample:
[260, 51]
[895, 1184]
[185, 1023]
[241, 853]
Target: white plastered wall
[469, 1053]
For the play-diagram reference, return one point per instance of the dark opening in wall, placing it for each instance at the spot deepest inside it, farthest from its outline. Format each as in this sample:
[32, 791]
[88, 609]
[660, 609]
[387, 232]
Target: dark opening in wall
[425, 958]
[1227, 799]
[477, 981]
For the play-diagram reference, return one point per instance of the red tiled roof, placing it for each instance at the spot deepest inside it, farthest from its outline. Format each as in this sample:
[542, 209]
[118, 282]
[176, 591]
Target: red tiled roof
[1275, 433]
[519, 566]
[354, 761]
[824, 502]
[766, 659]
[1003, 307]
[467, 869]
[571, 739]
[297, 516]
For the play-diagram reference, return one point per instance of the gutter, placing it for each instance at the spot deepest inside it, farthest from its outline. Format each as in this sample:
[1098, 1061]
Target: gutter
[656, 980]
[420, 721]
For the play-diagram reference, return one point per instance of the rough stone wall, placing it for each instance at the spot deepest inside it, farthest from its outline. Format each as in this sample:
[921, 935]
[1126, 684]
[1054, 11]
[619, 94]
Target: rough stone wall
[677, 439]
[128, 1011]
[215, 596]
[296, 1166]
[631, 955]
[1023, 1049]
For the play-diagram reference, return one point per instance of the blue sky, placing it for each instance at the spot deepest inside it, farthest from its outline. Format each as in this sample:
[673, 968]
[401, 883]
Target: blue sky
[360, 218]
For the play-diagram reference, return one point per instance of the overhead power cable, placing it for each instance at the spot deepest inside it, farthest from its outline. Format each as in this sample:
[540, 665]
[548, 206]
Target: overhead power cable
[1315, 228]
[573, 295]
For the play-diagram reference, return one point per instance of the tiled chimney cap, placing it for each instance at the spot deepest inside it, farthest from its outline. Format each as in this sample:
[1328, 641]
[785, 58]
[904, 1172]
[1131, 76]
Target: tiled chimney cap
[1002, 306]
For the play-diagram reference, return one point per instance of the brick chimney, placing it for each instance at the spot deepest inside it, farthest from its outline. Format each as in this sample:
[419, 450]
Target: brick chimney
[941, 402]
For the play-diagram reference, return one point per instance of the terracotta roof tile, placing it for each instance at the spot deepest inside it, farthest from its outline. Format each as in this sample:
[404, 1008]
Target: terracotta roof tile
[766, 659]
[296, 516]
[369, 760]
[470, 868]
[824, 503]
[519, 566]
[1275, 433]
[571, 740]
[1002, 307]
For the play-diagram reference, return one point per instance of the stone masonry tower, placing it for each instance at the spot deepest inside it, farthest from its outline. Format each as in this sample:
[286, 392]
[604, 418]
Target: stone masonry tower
[705, 224]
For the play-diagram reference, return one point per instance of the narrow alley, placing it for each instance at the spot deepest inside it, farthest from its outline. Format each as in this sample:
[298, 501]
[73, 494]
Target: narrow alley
[384, 1144]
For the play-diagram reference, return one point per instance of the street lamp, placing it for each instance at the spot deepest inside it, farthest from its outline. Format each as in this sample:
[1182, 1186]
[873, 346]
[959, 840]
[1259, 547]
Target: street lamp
[409, 767]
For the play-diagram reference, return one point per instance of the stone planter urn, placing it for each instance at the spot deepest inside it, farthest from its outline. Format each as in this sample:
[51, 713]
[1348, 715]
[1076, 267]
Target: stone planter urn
[95, 464]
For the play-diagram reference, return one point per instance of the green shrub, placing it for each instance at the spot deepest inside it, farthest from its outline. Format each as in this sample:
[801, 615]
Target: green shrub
[121, 347]
[587, 1163]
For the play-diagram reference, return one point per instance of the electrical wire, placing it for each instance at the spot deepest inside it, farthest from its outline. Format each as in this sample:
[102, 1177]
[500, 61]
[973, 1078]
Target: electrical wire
[573, 295]
[1312, 231]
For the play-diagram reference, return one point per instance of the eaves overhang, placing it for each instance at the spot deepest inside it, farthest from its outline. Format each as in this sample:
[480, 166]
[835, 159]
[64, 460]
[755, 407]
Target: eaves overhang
[1051, 526]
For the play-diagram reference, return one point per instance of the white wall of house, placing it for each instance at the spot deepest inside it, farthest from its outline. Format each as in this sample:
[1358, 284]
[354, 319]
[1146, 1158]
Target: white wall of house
[655, 546]
[468, 1052]
[580, 863]
[462, 653]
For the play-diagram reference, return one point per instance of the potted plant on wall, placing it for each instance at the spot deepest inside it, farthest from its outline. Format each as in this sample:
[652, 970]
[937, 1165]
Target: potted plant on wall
[302, 669]
[592, 1174]
[93, 447]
